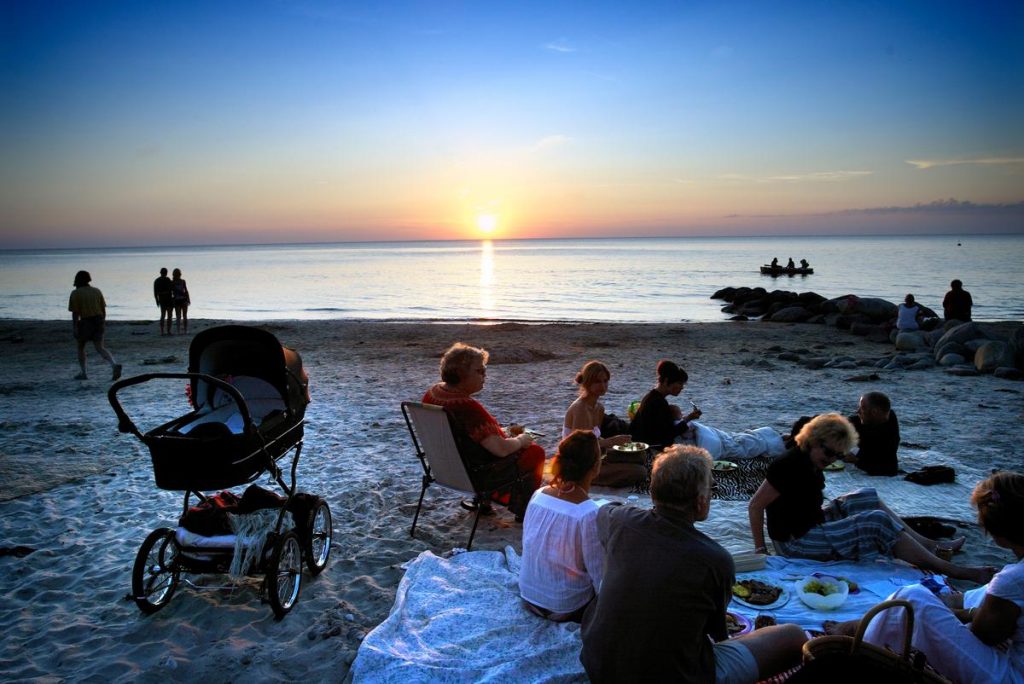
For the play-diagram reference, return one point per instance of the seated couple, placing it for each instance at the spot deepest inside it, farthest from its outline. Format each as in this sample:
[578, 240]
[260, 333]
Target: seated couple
[878, 435]
[977, 637]
[650, 588]
[491, 455]
[659, 423]
[855, 526]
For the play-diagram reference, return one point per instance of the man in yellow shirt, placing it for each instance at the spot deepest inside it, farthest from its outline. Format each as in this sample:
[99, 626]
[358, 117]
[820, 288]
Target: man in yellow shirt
[88, 318]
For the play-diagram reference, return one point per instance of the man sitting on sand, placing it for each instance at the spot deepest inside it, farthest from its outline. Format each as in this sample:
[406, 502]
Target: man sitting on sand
[879, 435]
[660, 615]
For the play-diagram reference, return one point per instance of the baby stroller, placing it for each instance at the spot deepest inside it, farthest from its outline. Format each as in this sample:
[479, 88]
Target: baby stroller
[249, 396]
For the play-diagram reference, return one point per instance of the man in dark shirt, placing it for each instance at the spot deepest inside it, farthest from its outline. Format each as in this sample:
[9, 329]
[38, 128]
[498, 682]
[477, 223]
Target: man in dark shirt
[879, 433]
[957, 303]
[660, 613]
[163, 293]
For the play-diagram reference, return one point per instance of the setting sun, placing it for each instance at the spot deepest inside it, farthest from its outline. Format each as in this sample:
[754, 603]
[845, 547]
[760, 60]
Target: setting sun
[486, 223]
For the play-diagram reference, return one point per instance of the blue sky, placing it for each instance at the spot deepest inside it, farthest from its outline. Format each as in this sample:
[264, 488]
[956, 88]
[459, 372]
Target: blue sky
[131, 123]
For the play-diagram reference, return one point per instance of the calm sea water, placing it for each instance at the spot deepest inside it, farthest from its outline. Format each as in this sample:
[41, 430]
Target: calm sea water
[625, 279]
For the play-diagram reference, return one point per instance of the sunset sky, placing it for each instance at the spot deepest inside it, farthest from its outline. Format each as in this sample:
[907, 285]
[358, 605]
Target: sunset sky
[151, 123]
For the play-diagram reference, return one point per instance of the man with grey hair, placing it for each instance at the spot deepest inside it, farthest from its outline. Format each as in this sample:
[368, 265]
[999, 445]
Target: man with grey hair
[660, 614]
[879, 435]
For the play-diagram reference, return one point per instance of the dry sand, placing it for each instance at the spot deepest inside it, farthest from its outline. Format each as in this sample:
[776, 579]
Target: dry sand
[77, 498]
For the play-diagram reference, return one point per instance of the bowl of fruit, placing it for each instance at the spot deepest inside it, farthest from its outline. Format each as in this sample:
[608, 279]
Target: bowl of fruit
[822, 592]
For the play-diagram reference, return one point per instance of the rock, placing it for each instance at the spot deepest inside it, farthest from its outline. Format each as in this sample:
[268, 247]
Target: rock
[975, 345]
[862, 329]
[992, 355]
[843, 365]
[921, 364]
[832, 319]
[866, 362]
[816, 319]
[792, 314]
[952, 359]
[878, 310]
[1008, 373]
[1017, 347]
[870, 377]
[910, 341]
[815, 362]
[739, 317]
[731, 308]
[962, 334]
[882, 363]
[810, 300]
[953, 348]
[877, 335]
[788, 356]
[725, 293]
[964, 371]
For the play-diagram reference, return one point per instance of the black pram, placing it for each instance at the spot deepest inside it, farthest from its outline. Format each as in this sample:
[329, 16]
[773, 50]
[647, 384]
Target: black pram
[249, 397]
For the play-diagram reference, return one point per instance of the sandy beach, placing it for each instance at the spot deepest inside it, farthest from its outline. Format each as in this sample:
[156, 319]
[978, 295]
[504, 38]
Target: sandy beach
[77, 498]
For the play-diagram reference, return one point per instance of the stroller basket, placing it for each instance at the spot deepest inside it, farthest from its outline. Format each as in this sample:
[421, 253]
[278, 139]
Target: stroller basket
[249, 397]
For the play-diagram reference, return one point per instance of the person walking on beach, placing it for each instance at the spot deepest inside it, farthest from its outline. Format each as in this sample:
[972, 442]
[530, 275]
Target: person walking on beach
[88, 318]
[181, 302]
[164, 295]
[956, 305]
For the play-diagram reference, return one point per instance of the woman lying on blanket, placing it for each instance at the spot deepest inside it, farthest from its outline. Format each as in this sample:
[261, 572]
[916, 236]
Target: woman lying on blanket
[659, 423]
[463, 373]
[984, 643]
[587, 413]
[852, 527]
[563, 561]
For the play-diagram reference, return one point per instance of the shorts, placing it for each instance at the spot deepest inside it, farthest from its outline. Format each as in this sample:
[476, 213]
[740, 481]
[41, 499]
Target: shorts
[90, 329]
[855, 528]
[734, 663]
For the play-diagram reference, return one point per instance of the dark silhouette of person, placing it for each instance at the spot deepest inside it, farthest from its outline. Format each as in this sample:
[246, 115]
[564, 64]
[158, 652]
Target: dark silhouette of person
[163, 292]
[775, 262]
[803, 263]
[957, 303]
[790, 264]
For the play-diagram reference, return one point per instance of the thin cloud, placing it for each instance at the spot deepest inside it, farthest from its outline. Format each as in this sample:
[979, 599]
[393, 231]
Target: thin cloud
[560, 45]
[551, 141]
[984, 161]
[946, 206]
[815, 177]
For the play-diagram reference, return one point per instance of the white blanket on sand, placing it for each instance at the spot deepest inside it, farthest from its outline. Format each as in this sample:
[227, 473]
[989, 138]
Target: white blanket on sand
[763, 441]
[460, 619]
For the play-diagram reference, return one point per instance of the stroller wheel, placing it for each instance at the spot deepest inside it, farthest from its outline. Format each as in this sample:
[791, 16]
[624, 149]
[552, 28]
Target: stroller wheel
[284, 574]
[155, 574]
[318, 544]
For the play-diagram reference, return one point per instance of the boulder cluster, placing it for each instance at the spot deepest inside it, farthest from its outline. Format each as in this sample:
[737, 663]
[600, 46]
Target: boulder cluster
[961, 348]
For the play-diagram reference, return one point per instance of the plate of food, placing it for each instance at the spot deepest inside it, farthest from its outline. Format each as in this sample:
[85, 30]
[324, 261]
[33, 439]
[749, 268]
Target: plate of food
[723, 466]
[736, 624]
[759, 593]
[836, 465]
[630, 447]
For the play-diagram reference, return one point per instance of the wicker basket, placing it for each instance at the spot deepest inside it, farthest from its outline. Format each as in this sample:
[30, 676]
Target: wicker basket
[904, 666]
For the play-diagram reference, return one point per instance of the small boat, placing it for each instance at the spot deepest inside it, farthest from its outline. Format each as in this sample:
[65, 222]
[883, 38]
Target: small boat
[776, 271]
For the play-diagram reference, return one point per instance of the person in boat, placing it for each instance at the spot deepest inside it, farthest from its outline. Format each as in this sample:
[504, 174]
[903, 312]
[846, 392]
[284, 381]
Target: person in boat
[587, 413]
[660, 614]
[775, 263]
[855, 526]
[463, 373]
[804, 264]
[790, 265]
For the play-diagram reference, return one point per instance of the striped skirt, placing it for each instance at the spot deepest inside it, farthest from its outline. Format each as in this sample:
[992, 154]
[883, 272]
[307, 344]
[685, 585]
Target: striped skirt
[855, 528]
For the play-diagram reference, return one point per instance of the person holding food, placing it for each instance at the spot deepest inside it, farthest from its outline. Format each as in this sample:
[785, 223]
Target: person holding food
[656, 421]
[563, 561]
[982, 643]
[621, 468]
[855, 526]
[490, 452]
[660, 614]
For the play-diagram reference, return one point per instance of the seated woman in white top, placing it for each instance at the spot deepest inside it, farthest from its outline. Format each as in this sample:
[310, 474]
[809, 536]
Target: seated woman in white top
[563, 561]
[907, 314]
[984, 643]
[587, 413]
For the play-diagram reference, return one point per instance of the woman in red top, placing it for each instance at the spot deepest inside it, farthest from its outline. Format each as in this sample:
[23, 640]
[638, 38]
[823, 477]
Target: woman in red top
[463, 373]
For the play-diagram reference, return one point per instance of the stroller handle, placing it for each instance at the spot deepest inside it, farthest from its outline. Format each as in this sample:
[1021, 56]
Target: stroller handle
[125, 424]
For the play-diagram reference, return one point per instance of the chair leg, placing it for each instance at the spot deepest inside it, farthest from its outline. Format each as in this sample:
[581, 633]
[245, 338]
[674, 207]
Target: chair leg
[476, 520]
[426, 483]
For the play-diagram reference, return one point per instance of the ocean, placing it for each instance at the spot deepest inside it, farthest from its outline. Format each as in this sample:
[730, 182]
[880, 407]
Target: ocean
[618, 279]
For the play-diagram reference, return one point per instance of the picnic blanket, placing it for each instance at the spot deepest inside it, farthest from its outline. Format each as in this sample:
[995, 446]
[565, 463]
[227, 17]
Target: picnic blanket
[460, 619]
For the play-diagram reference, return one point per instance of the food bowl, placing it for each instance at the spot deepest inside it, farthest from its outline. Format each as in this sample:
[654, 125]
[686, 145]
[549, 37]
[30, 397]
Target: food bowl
[631, 447]
[822, 592]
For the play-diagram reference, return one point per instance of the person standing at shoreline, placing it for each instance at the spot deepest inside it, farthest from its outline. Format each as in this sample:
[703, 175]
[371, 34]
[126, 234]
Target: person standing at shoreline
[957, 303]
[164, 295]
[88, 319]
[181, 302]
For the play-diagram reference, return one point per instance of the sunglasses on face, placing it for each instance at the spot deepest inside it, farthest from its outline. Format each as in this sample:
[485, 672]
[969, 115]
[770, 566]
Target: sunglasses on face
[832, 453]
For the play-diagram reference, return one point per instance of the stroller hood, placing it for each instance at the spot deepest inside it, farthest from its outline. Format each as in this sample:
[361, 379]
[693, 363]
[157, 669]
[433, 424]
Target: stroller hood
[239, 350]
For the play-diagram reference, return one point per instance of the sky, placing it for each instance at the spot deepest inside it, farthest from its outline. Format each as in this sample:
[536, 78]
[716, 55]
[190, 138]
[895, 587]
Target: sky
[145, 123]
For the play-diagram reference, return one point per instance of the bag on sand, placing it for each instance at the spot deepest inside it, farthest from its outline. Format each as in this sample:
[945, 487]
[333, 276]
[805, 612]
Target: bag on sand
[842, 659]
[930, 475]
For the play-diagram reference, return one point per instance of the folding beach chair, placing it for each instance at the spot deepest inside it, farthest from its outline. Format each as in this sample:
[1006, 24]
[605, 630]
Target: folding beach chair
[434, 437]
